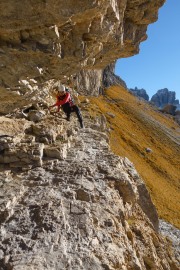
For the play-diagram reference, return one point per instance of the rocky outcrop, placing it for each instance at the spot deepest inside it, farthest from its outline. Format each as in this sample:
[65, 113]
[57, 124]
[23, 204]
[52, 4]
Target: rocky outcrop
[66, 201]
[88, 82]
[139, 93]
[164, 97]
[93, 82]
[169, 108]
[84, 209]
[173, 234]
[42, 40]
[109, 77]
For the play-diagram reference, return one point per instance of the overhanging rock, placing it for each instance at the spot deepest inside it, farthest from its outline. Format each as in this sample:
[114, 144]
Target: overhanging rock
[53, 39]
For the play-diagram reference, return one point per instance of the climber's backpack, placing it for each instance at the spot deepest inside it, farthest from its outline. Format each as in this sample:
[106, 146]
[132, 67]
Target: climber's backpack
[72, 99]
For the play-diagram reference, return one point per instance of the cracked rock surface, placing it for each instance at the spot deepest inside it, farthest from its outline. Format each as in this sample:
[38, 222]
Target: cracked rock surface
[87, 209]
[56, 38]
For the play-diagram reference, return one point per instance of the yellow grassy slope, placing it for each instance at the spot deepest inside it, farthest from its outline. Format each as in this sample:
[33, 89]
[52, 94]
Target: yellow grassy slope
[135, 127]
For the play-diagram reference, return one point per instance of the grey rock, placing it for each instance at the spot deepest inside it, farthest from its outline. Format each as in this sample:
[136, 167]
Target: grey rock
[56, 152]
[84, 211]
[148, 150]
[109, 78]
[139, 93]
[173, 234]
[111, 114]
[35, 116]
[164, 97]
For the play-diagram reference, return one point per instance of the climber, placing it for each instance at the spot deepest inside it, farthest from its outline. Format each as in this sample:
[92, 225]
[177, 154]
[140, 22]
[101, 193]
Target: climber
[65, 101]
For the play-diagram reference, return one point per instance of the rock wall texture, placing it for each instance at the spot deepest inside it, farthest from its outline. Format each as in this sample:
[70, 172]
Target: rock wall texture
[68, 203]
[53, 39]
[89, 82]
[109, 78]
[139, 93]
[93, 82]
[173, 234]
[164, 97]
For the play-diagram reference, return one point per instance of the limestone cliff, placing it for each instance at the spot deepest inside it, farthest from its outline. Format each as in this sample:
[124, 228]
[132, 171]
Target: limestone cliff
[109, 77]
[67, 202]
[48, 39]
[93, 82]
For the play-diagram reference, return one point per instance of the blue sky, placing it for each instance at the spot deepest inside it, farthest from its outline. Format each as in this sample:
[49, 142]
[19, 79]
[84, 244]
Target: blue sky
[157, 65]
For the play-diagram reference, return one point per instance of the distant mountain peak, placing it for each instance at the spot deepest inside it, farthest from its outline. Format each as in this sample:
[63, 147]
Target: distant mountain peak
[139, 93]
[164, 97]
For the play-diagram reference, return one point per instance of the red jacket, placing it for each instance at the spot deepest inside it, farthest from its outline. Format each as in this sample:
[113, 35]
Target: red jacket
[63, 99]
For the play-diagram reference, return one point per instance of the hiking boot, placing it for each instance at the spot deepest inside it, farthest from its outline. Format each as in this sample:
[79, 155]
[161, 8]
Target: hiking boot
[68, 118]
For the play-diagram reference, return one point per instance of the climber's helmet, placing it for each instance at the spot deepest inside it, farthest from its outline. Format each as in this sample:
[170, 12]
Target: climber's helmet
[60, 90]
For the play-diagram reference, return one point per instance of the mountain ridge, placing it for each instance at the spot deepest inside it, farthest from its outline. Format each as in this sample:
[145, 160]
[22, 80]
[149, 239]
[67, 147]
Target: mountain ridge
[161, 98]
[137, 126]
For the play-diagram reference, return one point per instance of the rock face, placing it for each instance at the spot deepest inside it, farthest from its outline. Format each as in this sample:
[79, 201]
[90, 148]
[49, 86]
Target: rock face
[84, 209]
[89, 82]
[173, 234]
[55, 39]
[139, 93]
[93, 82]
[66, 201]
[109, 78]
[164, 97]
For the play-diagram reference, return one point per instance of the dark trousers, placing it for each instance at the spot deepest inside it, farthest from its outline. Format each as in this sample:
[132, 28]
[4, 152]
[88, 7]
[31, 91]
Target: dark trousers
[69, 109]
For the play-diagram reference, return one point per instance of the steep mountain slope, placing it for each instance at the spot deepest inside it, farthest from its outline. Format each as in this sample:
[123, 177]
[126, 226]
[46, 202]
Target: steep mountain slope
[67, 202]
[150, 140]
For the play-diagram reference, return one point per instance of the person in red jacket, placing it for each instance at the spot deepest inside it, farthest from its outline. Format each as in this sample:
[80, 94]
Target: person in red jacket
[65, 101]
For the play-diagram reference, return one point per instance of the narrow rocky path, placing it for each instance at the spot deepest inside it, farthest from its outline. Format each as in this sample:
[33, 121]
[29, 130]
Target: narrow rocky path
[83, 209]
